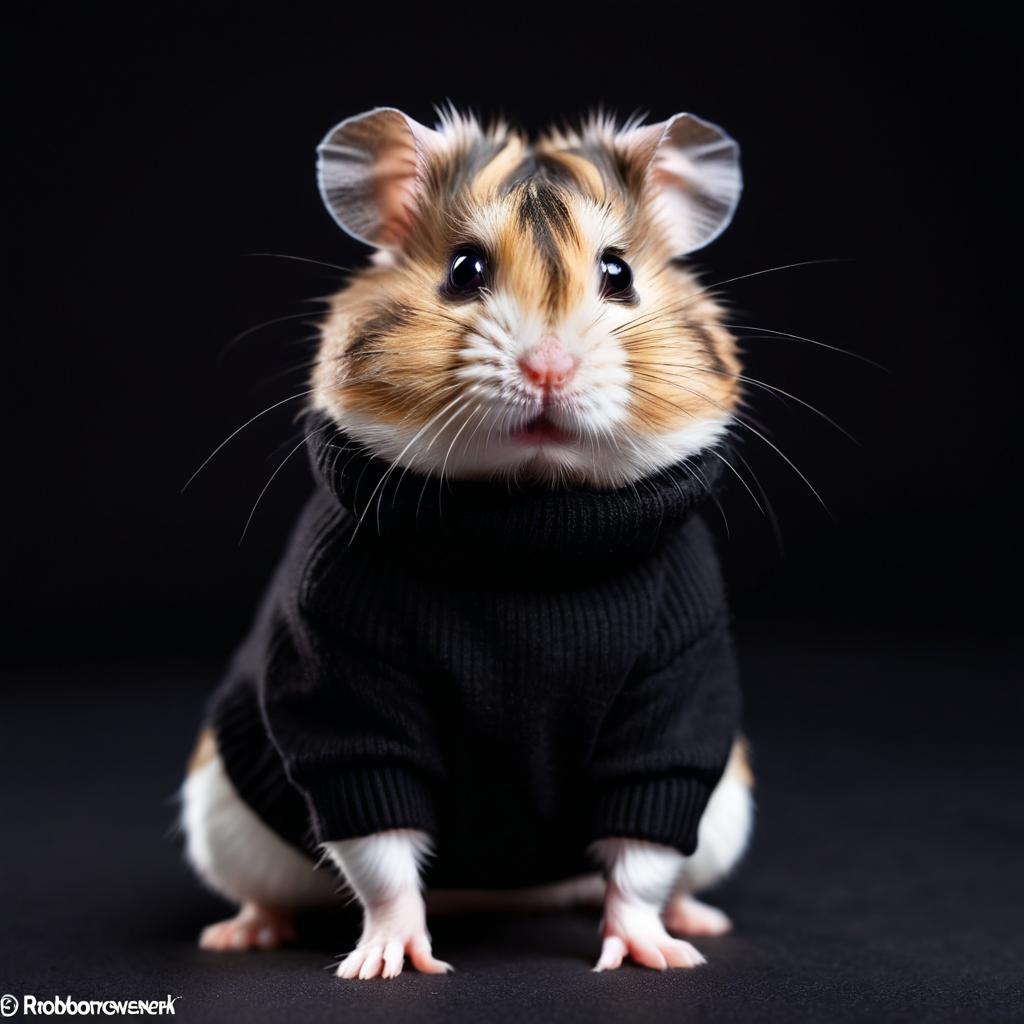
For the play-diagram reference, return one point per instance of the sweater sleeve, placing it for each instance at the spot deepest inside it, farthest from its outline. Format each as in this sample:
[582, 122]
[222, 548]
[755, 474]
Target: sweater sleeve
[665, 743]
[352, 727]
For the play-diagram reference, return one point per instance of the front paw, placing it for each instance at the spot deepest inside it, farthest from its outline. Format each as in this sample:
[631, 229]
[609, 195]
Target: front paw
[391, 931]
[634, 930]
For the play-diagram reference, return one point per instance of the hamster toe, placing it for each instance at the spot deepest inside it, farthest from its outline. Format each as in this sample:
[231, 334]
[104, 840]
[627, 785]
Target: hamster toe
[394, 960]
[351, 965]
[687, 916]
[678, 953]
[373, 963]
[613, 952]
[253, 927]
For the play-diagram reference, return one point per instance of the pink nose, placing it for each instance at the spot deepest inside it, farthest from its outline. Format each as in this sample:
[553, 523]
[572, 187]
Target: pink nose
[548, 365]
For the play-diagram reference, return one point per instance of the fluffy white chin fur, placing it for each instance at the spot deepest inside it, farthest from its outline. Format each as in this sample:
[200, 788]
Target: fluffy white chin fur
[466, 450]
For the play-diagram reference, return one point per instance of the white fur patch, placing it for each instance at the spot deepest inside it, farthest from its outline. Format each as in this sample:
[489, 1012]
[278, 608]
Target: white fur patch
[381, 867]
[236, 855]
[722, 837]
[641, 871]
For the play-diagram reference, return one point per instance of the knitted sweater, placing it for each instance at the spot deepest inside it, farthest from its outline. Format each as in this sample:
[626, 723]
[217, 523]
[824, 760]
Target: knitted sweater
[517, 671]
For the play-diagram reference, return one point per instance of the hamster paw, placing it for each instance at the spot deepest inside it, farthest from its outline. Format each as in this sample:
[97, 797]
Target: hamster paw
[636, 932]
[389, 935]
[686, 916]
[253, 927]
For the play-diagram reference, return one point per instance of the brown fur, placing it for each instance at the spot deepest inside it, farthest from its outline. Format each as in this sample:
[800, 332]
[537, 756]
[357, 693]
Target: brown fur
[204, 751]
[739, 763]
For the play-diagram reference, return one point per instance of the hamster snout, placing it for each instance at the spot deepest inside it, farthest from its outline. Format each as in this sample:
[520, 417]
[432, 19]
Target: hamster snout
[549, 366]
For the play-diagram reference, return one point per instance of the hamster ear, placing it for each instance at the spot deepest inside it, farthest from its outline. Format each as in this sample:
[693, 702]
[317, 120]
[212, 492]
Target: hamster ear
[371, 170]
[693, 170]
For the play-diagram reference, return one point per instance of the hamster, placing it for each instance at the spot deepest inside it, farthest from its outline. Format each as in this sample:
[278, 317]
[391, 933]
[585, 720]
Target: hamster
[498, 645]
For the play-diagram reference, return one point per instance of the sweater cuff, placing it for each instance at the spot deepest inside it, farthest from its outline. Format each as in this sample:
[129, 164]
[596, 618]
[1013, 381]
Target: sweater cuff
[359, 802]
[664, 810]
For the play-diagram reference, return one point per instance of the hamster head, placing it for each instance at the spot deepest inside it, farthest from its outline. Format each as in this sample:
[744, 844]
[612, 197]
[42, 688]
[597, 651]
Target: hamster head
[523, 315]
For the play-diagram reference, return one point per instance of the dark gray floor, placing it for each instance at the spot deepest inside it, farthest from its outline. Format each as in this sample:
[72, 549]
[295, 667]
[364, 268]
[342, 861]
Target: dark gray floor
[885, 882]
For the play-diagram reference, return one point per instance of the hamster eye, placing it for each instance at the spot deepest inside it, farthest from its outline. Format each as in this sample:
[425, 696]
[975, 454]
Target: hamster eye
[616, 278]
[466, 272]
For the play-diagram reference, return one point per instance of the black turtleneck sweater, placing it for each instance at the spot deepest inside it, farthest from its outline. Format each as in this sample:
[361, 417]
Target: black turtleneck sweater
[517, 671]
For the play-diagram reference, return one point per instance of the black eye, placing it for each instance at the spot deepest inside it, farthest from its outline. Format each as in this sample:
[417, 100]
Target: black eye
[466, 273]
[616, 278]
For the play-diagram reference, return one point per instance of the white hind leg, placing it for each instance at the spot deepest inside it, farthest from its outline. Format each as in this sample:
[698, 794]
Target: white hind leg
[721, 841]
[237, 856]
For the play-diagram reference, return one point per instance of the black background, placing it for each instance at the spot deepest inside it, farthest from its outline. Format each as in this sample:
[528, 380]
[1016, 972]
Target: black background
[154, 152]
[157, 153]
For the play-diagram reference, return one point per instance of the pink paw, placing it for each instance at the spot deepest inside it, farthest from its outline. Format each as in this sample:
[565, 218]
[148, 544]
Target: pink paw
[687, 916]
[253, 927]
[391, 932]
[634, 930]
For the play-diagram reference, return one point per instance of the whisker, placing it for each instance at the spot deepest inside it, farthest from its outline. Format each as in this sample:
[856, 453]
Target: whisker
[405, 469]
[706, 290]
[736, 472]
[809, 341]
[445, 463]
[437, 434]
[476, 430]
[447, 454]
[675, 305]
[396, 460]
[772, 518]
[698, 394]
[235, 433]
[400, 399]
[792, 465]
[269, 323]
[273, 476]
[771, 388]
[784, 266]
[732, 414]
[302, 259]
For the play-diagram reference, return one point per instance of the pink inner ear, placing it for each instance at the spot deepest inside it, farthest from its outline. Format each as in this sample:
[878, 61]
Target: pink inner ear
[672, 170]
[396, 174]
[641, 144]
[399, 169]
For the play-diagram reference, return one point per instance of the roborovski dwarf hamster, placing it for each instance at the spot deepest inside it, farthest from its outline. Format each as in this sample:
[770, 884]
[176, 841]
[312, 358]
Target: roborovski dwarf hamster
[496, 656]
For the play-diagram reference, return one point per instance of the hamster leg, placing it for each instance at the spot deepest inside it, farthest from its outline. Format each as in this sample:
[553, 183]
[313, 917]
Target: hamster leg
[722, 838]
[383, 870]
[239, 858]
[641, 877]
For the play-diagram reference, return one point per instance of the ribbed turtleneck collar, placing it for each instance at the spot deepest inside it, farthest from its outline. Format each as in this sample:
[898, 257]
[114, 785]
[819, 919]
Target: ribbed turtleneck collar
[519, 520]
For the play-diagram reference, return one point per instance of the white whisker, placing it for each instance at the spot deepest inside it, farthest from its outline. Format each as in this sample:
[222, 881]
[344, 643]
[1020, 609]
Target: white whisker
[235, 433]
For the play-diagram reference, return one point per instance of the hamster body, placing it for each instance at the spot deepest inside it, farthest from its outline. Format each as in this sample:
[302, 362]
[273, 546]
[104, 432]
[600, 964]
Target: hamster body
[523, 341]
